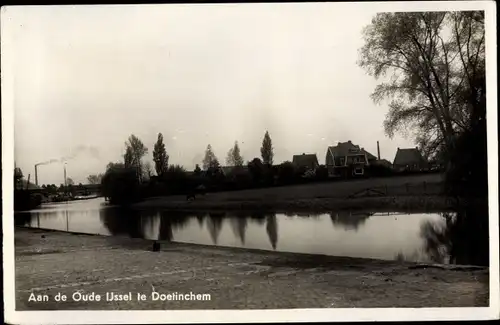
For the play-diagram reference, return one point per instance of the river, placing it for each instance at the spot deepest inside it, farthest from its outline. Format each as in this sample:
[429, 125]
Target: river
[387, 236]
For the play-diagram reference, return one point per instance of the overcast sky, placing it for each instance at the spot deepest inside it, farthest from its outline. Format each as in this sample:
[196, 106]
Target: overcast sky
[88, 77]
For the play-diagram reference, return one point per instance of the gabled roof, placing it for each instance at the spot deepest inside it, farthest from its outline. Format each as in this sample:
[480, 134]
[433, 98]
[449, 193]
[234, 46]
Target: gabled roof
[348, 148]
[305, 159]
[368, 155]
[408, 156]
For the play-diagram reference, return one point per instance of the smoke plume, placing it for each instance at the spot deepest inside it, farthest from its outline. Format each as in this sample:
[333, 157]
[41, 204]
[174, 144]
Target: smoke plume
[82, 149]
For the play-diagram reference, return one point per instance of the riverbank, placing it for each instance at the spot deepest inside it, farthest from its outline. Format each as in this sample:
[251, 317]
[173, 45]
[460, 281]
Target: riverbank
[51, 262]
[385, 204]
[418, 193]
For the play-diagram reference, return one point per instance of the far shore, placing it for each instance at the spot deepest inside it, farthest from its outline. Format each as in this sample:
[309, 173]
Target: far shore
[416, 193]
[382, 204]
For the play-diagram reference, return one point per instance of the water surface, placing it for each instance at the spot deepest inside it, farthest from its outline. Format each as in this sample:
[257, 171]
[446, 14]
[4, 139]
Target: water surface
[386, 236]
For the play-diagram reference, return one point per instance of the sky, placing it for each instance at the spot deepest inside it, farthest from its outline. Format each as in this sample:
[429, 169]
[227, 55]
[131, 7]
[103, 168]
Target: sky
[87, 77]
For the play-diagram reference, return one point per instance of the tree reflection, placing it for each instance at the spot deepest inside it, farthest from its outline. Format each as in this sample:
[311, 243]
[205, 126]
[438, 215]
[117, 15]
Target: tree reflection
[239, 227]
[200, 217]
[459, 236]
[170, 221]
[258, 216]
[272, 229]
[214, 225]
[349, 220]
[122, 221]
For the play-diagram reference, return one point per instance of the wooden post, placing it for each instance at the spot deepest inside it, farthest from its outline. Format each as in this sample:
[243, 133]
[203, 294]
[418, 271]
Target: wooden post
[407, 188]
[425, 188]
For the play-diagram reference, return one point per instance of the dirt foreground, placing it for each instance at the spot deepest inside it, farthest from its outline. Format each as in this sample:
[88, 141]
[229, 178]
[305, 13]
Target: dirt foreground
[51, 263]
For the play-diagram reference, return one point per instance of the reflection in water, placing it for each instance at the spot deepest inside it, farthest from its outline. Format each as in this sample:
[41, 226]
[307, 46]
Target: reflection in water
[122, 221]
[239, 227]
[258, 216]
[348, 220]
[458, 238]
[200, 218]
[272, 229]
[214, 224]
[414, 237]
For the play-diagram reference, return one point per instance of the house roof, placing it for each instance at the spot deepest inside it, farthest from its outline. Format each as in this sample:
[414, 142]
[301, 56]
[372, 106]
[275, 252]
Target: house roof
[348, 148]
[408, 156]
[305, 159]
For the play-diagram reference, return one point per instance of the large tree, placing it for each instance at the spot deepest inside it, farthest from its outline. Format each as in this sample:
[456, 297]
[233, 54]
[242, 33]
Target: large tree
[94, 178]
[160, 156]
[210, 160]
[432, 66]
[266, 151]
[135, 150]
[234, 157]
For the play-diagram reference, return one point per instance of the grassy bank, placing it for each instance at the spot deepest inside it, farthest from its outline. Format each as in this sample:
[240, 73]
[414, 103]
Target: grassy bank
[318, 205]
[421, 192]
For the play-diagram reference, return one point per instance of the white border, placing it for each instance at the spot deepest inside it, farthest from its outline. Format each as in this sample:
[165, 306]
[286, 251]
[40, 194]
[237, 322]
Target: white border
[284, 315]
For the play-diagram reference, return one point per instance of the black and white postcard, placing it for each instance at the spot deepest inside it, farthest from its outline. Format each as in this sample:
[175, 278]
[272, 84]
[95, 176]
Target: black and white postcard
[250, 162]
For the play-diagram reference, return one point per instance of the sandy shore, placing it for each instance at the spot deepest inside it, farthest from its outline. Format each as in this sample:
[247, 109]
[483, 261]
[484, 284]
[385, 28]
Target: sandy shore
[51, 262]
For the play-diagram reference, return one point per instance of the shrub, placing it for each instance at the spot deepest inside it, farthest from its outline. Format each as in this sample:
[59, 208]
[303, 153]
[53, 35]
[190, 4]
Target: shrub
[286, 172]
[120, 185]
[322, 172]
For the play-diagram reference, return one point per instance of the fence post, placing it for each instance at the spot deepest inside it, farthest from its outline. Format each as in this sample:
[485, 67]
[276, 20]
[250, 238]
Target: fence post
[425, 188]
[407, 188]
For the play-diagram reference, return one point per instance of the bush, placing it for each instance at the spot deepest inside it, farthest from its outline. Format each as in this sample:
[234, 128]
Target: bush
[322, 173]
[378, 170]
[286, 173]
[120, 185]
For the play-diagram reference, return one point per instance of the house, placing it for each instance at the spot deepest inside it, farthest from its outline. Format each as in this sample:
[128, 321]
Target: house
[307, 161]
[346, 159]
[409, 159]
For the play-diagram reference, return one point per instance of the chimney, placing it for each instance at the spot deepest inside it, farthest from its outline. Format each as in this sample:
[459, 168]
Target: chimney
[65, 175]
[36, 175]
[378, 151]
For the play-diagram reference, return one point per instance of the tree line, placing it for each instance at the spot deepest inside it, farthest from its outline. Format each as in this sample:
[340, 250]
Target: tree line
[133, 178]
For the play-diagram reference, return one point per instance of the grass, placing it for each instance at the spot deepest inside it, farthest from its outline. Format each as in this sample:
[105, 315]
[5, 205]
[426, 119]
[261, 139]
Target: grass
[404, 192]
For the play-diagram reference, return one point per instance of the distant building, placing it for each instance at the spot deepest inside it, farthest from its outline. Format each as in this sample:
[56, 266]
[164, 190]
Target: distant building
[307, 161]
[409, 159]
[347, 159]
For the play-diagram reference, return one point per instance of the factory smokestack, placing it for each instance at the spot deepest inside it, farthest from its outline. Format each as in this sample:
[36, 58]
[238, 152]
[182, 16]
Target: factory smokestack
[378, 151]
[65, 183]
[36, 175]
